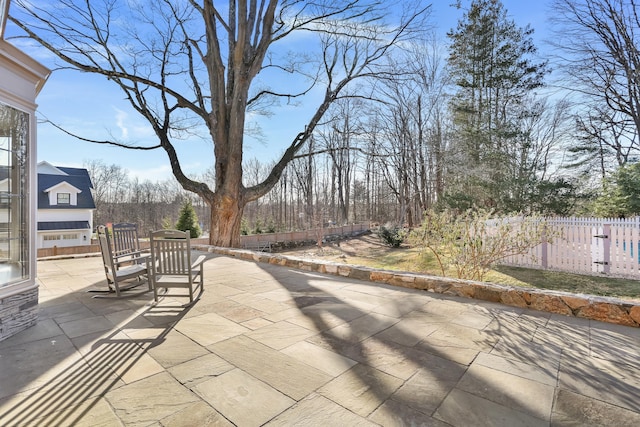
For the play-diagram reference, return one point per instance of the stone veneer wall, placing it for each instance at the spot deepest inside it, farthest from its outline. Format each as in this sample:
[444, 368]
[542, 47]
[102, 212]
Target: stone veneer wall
[18, 312]
[604, 309]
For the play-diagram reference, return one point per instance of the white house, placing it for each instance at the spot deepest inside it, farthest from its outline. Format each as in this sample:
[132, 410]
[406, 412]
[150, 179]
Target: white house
[65, 206]
[21, 79]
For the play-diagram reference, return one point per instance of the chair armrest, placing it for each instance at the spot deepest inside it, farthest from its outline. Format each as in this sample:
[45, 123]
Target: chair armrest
[131, 257]
[198, 262]
[126, 254]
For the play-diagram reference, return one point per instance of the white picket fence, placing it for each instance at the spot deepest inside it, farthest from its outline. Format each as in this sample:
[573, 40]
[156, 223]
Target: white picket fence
[607, 246]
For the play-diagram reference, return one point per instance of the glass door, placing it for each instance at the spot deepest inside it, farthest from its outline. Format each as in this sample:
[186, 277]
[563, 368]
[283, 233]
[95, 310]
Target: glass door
[14, 232]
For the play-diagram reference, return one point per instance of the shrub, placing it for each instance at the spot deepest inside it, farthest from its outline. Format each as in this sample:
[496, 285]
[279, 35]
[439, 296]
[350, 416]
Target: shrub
[244, 227]
[188, 220]
[474, 241]
[258, 227]
[391, 236]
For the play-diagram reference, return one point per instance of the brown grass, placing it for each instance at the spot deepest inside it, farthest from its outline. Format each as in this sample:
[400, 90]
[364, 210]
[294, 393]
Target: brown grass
[369, 251]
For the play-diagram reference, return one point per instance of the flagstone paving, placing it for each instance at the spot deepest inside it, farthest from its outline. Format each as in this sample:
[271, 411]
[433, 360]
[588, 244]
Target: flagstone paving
[274, 346]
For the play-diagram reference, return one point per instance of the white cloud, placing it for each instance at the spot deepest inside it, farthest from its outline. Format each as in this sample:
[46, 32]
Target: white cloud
[121, 118]
[131, 127]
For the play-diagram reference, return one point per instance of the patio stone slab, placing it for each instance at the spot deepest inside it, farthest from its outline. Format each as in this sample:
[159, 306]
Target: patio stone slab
[199, 414]
[464, 409]
[280, 335]
[524, 370]
[257, 323]
[573, 409]
[128, 319]
[614, 383]
[23, 367]
[473, 319]
[200, 369]
[91, 413]
[361, 389]
[79, 327]
[320, 358]
[284, 373]
[143, 402]
[395, 309]
[427, 389]
[243, 399]
[65, 312]
[362, 328]
[410, 330]
[209, 328]
[235, 311]
[174, 348]
[393, 413]
[512, 391]
[136, 367]
[341, 311]
[50, 402]
[44, 329]
[452, 335]
[454, 352]
[317, 410]
[523, 350]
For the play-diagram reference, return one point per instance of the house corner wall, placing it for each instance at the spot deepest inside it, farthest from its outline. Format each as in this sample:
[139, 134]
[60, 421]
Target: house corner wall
[22, 79]
[18, 312]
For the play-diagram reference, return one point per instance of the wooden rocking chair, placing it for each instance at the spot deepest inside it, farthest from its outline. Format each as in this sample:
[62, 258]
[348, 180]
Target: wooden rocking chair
[171, 266]
[133, 274]
[127, 244]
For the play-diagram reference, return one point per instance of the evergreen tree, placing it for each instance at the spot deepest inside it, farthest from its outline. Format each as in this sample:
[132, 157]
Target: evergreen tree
[188, 220]
[495, 79]
[620, 197]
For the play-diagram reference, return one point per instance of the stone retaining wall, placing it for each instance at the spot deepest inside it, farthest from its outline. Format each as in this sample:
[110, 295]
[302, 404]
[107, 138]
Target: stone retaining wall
[604, 309]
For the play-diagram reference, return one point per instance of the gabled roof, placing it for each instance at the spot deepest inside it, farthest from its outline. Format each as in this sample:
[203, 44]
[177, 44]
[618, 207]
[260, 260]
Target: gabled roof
[78, 178]
[45, 167]
[77, 172]
[63, 184]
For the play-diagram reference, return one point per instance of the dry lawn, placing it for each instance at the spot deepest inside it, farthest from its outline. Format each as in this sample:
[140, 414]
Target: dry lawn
[368, 250]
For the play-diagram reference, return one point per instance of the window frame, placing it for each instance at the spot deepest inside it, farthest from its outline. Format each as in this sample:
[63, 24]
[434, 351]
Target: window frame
[59, 200]
[15, 204]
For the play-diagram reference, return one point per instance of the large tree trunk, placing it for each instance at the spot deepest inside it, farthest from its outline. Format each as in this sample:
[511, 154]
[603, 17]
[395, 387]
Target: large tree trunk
[226, 218]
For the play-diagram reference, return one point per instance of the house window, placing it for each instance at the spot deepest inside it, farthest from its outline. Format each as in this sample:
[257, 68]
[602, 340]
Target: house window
[64, 198]
[14, 209]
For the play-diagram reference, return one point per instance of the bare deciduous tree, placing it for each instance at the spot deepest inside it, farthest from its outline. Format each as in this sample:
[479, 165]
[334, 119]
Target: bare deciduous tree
[192, 67]
[600, 43]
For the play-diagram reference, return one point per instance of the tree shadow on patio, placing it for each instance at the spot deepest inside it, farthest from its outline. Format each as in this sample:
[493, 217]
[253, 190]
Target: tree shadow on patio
[447, 359]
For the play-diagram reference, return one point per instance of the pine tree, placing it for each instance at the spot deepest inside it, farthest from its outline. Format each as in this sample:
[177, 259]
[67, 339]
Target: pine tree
[495, 78]
[188, 220]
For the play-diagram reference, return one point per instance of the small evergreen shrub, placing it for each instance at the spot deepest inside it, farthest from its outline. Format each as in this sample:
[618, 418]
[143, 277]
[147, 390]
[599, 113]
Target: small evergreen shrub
[391, 236]
[188, 220]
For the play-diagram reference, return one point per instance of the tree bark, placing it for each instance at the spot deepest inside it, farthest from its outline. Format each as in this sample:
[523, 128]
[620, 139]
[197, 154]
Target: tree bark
[226, 218]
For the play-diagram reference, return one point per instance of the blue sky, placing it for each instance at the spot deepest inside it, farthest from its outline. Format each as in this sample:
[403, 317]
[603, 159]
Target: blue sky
[95, 109]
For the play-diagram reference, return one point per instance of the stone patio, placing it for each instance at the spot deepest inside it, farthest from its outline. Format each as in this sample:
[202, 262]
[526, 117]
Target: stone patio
[272, 345]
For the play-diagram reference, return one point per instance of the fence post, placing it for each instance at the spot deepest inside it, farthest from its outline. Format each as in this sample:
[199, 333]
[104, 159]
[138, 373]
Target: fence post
[606, 248]
[544, 249]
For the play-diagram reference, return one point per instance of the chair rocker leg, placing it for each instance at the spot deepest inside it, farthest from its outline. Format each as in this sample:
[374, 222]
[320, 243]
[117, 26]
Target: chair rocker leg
[114, 288]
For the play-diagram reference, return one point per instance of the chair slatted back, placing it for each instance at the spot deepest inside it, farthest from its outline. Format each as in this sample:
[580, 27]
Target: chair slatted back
[105, 249]
[171, 252]
[125, 238]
